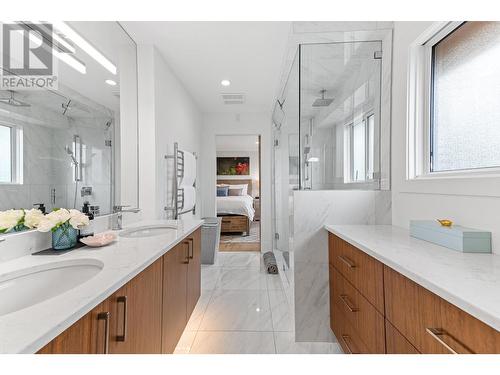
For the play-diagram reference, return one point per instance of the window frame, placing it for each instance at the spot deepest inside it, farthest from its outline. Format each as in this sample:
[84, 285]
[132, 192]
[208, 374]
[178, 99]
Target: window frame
[16, 143]
[420, 101]
[349, 144]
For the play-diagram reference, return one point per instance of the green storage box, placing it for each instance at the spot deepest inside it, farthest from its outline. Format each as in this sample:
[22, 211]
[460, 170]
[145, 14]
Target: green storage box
[456, 237]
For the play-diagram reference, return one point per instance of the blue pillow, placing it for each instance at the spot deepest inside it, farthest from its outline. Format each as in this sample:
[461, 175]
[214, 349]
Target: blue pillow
[222, 191]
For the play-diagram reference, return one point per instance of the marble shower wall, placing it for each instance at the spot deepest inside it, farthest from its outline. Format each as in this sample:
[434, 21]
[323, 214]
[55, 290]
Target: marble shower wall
[47, 168]
[312, 210]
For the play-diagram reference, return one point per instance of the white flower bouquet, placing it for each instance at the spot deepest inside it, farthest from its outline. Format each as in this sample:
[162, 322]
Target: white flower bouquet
[64, 225]
[18, 220]
[63, 218]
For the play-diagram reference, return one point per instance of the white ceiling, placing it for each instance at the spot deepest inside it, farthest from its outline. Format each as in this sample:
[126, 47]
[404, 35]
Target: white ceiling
[201, 54]
[237, 143]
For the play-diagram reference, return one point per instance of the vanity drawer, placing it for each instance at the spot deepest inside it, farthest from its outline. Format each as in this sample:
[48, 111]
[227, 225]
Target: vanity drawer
[359, 313]
[432, 324]
[396, 343]
[363, 272]
[347, 336]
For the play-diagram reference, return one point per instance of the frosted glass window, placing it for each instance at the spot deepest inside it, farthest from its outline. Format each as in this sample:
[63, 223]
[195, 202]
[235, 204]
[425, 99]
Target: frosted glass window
[359, 151]
[5, 154]
[465, 120]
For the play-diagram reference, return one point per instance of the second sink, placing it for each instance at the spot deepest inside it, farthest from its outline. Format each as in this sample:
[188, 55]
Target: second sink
[148, 231]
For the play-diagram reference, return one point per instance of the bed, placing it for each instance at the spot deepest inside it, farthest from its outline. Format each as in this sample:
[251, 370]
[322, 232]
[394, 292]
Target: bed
[236, 212]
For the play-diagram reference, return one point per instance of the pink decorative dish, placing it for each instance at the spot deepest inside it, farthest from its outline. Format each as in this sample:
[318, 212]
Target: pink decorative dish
[98, 240]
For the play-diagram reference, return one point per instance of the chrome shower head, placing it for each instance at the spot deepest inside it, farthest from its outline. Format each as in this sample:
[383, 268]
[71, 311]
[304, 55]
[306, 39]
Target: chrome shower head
[71, 154]
[323, 102]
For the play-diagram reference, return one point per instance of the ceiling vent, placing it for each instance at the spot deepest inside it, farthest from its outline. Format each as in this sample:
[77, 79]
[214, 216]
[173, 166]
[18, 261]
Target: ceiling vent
[233, 98]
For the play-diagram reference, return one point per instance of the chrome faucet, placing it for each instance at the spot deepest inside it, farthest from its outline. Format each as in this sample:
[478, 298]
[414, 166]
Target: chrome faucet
[119, 210]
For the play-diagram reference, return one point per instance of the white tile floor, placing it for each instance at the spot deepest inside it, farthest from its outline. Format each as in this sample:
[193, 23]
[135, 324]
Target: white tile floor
[243, 310]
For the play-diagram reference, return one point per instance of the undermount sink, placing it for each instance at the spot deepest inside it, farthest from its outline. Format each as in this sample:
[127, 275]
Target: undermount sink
[27, 287]
[148, 231]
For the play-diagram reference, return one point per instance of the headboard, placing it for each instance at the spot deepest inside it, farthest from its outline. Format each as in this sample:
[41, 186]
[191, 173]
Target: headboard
[237, 182]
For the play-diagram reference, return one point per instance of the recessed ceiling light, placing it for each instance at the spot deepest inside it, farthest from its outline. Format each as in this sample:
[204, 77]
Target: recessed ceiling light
[110, 82]
[256, 142]
[225, 82]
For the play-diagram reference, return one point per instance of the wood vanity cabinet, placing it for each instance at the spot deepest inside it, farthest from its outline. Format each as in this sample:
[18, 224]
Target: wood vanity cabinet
[181, 288]
[145, 316]
[374, 309]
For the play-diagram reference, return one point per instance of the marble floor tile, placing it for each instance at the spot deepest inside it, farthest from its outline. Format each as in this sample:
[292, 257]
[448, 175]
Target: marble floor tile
[233, 343]
[185, 342]
[280, 311]
[273, 281]
[197, 315]
[285, 344]
[240, 259]
[242, 279]
[237, 310]
[209, 277]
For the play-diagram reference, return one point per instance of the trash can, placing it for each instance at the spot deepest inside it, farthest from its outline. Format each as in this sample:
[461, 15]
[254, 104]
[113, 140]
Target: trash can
[210, 237]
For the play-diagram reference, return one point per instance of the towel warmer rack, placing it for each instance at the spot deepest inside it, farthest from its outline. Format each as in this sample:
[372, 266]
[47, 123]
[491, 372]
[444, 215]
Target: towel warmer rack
[177, 206]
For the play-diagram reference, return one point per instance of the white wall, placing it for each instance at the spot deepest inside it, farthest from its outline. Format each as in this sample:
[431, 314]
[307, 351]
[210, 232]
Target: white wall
[254, 168]
[432, 199]
[230, 124]
[167, 114]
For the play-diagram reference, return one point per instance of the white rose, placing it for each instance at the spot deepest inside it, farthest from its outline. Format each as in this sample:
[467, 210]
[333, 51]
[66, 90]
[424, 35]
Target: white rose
[9, 219]
[77, 219]
[32, 218]
[46, 223]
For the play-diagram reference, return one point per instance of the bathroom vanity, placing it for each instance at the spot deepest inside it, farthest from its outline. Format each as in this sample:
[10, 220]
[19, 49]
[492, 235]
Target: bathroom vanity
[138, 302]
[391, 293]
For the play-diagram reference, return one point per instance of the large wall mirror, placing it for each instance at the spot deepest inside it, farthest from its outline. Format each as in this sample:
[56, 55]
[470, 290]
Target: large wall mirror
[65, 146]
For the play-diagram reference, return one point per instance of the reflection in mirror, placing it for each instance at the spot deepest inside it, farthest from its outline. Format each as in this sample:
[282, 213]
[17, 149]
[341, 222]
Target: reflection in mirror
[61, 147]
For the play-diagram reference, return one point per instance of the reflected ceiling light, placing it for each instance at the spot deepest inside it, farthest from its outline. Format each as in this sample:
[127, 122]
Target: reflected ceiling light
[313, 159]
[110, 82]
[225, 82]
[84, 45]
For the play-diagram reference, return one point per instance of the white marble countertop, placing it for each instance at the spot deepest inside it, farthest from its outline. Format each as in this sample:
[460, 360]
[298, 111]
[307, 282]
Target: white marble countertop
[469, 281]
[29, 329]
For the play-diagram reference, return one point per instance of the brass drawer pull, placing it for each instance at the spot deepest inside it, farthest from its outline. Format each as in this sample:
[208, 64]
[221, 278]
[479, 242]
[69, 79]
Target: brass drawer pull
[191, 248]
[188, 251]
[347, 261]
[105, 316]
[344, 340]
[345, 299]
[123, 337]
[436, 334]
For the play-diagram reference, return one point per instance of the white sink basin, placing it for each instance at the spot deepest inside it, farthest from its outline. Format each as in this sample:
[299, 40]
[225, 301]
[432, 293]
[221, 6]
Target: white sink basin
[27, 287]
[148, 231]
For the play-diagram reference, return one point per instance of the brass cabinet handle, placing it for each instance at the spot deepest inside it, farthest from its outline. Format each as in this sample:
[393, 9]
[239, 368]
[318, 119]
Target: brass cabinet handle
[191, 247]
[344, 340]
[123, 337]
[105, 316]
[187, 256]
[436, 334]
[345, 299]
[347, 261]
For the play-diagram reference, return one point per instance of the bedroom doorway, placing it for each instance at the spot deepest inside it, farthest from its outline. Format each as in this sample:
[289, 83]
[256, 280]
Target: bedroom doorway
[238, 191]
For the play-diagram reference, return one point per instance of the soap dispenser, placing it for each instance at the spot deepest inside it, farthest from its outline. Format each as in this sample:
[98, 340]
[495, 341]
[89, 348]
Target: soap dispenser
[88, 230]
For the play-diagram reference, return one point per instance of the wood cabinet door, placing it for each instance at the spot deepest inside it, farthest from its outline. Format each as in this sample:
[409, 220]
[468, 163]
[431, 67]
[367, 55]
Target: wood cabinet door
[89, 335]
[175, 273]
[396, 343]
[136, 310]
[194, 272]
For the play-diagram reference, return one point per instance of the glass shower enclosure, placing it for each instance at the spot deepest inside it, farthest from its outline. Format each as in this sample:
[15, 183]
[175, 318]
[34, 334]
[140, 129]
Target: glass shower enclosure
[326, 127]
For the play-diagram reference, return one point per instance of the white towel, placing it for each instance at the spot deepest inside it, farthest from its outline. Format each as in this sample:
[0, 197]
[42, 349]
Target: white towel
[189, 169]
[189, 197]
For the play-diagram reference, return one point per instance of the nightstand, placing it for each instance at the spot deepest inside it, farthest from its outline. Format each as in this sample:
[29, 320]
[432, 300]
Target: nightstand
[256, 207]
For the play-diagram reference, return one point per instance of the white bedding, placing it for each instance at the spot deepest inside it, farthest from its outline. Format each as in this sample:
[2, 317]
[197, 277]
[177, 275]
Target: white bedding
[240, 205]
